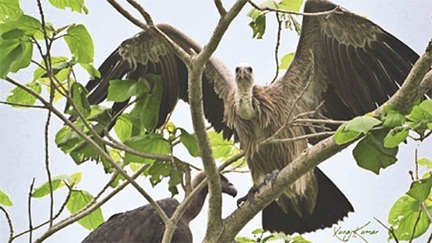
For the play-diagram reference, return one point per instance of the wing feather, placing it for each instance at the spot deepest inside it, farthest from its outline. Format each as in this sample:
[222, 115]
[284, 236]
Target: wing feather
[359, 65]
[145, 53]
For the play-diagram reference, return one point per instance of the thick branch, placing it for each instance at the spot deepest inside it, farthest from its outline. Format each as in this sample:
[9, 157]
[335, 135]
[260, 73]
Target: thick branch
[320, 152]
[214, 223]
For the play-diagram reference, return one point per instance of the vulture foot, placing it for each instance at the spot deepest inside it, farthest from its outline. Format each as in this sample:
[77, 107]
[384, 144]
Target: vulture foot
[250, 196]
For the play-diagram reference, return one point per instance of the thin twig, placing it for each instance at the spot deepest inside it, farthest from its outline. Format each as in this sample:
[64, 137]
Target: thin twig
[9, 220]
[22, 105]
[388, 229]
[29, 211]
[256, 6]
[142, 11]
[129, 16]
[306, 136]
[415, 225]
[276, 53]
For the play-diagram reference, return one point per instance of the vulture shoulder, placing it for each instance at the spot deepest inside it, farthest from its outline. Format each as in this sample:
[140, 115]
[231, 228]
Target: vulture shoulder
[346, 60]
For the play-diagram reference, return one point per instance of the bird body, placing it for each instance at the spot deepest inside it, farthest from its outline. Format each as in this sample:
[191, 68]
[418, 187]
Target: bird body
[143, 224]
[344, 64]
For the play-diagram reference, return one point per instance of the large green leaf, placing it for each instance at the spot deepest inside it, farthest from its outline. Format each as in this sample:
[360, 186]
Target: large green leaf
[150, 111]
[79, 97]
[391, 117]
[9, 10]
[78, 200]
[371, 154]
[190, 142]
[420, 189]
[120, 90]
[44, 189]
[395, 137]
[404, 215]
[4, 199]
[80, 43]
[74, 5]
[20, 96]
[149, 143]
[15, 55]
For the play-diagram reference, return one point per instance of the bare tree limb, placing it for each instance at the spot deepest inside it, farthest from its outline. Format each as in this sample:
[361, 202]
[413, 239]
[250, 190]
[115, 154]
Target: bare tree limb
[220, 7]
[142, 11]
[214, 223]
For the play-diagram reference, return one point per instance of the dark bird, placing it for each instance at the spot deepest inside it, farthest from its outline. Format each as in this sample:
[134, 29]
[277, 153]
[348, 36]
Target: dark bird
[143, 224]
[343, 61]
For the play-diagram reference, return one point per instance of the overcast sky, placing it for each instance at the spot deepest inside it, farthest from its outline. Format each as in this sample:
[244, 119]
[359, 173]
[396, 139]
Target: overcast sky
[21, 140]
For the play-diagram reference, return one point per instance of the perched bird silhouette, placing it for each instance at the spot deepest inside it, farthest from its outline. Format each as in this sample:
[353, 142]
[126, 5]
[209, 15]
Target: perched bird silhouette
[143, 224]
[343, 61]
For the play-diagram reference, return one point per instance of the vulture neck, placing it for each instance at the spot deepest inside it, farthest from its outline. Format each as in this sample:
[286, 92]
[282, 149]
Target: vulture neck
[243, 102]
[197, 203]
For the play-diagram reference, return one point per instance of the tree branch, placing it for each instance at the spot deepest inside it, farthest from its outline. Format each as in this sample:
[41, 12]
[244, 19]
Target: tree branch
[214, 223]
[9, 220]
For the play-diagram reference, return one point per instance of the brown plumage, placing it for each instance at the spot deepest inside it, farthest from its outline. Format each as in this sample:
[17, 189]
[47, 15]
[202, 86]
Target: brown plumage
[143, 224]
[342, 59]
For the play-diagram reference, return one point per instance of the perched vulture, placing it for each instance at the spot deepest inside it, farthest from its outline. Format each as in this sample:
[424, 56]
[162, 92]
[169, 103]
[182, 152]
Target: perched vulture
[342, 59]
[143, 224]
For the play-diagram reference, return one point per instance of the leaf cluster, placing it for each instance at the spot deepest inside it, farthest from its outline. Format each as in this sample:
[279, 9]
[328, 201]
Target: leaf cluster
[410, 216]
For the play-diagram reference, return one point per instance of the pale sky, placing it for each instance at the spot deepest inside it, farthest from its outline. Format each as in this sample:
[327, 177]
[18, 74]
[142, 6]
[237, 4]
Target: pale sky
[22, 147]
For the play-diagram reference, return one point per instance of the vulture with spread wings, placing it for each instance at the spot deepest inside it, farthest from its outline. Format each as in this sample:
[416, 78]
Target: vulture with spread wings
[343, 60]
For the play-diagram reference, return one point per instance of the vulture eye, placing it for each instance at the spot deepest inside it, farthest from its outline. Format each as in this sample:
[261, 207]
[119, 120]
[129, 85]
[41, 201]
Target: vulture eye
[249, 69]
[237, 69]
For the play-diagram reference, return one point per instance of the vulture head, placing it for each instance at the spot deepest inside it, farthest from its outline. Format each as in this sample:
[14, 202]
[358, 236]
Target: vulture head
[226, 186]
[244, 77]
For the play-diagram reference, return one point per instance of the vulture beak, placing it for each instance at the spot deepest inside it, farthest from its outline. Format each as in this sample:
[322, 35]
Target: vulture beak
[230, 189]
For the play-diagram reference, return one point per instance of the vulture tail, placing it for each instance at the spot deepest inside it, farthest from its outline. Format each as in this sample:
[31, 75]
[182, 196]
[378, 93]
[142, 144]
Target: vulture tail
[331, 206]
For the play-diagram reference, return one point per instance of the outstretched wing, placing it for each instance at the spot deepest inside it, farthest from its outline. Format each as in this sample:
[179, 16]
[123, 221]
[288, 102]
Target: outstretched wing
[146, 54]
[350, 63]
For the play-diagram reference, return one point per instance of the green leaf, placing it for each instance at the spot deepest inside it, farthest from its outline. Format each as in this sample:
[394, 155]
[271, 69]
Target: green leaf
[190, 142]
[66, 139]
[220, 147]
[74, 5]
[78, 200]
[362, 124]
[370, 153]
[286, 61]
[149, 143]
[426, 105]
[343, 136]
[91, 70]
[258, 26]
[44, 189]
[4, 198]
[20, 96]
[159, 170]
[150, 111]
[120, 90]
[391, 117]
[80, 43]
[79, 97]
[123, 127]
[300, 239]
[9, 10]
[425, 162]
[403, 216]
[395, 137]
[420, 189]
[14, 55]
[291, 5]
